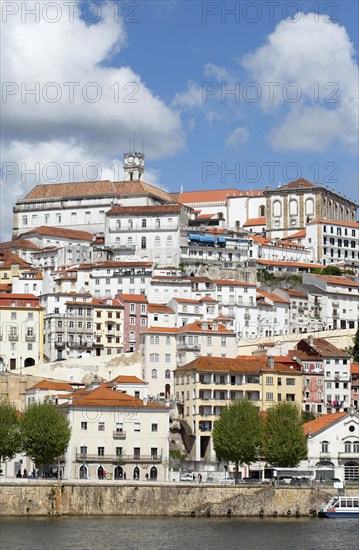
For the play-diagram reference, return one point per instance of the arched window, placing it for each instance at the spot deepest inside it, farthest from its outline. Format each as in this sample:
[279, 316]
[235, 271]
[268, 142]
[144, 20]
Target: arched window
[152, 339]
[325, 446]
[167, 373]
[293, 208]
[136, 473]
[144, 223]
[154, 373]
[169, 240]
[130, 224]
[153, 473]
[157, 339]
[261, 211]
[83, 473]
[277, 209]
[168, 340]
[118, 224]
[118, 241]
[118, 474]
[348, 447]
[154, 358]
[356, 447]
[129, 240]
[309, 207]
[157, 241]
[143, 242]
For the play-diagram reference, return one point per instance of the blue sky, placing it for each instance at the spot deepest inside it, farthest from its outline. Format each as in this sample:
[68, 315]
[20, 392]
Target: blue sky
[183, 58]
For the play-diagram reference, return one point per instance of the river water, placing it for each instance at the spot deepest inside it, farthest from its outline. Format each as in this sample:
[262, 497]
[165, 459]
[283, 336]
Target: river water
[124, 533]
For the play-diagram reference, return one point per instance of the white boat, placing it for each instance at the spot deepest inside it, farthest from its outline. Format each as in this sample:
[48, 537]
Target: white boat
[340, 507]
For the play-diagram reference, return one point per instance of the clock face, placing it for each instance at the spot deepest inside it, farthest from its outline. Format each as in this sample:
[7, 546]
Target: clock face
[130, 160]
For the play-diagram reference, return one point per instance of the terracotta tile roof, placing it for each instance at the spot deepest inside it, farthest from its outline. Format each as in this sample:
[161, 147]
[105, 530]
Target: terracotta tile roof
[19, 244]
[197, 326]
[205, 216]
[49, 231]
[335, 280]
[326, 349]
[159, 308]
[157, 209]
[255, 221]
[96, 189]
[185, 300]
[123, 379]
[322, 422]
[280, 263]
[106, 397]
[206, 196]
[52, 385]
[8, 259]
[20, 300]
[297, 184]
[239, 364]
[208, 299]
[106, 302]
[273, 297]
[354, 368]
[138, 298]
[162, 330]
[354, 225]
[298, 235]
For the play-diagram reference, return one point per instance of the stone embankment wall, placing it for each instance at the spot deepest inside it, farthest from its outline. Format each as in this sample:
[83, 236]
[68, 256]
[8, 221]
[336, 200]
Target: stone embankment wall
[42, 498]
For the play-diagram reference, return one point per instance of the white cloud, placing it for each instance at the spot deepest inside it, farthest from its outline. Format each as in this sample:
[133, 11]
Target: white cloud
[319, 58]
[35, 54]
[238, 137]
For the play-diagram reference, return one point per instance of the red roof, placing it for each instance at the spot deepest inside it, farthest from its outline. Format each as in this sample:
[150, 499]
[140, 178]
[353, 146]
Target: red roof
[273, 297]
[208, 195]
[335, 280]
[298, 235]
[104, 188]
[159, 308]
[322, 422]
[138, 298]
[19, 244]
[354, 368]
[157, 209]
[255, 221]
[246, 363]
[280, 263]
[19, 300]
[122, 379]
[106, 397]
[297, 184]
[52, 385]
[59, 232]
[8, 259]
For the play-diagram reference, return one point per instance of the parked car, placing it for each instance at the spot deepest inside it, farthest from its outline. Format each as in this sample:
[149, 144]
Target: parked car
[251, 480]
[229, 481]
[186, 477]
[295, 482]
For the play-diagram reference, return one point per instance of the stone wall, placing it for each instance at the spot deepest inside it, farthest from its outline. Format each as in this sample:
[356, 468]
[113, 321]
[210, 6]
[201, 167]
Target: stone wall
[43, 498]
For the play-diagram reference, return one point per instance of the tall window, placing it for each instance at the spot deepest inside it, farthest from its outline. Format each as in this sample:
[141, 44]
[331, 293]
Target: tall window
[154, 373]
[167, 373]
[154, 358]
[143, 242]
[325, 446]
[144, 223]
[169, 240]
[157, 241]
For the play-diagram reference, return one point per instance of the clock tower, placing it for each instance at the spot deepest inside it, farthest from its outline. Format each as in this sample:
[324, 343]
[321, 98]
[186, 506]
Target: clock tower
[133, 166]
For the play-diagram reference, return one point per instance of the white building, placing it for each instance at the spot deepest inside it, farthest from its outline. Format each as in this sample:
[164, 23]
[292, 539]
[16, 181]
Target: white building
[273, 314]
[21, 331]
[333, 446]
[116, 433]
[333, 301]
[152, 231]
[334, 242]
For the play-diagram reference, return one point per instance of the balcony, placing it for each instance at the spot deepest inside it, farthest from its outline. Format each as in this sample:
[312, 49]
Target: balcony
[30, 337]
[348, 456]
[188, 347]
[326, 455]
[147, 229]
[114, 459]
[119, 435]
[13, 337]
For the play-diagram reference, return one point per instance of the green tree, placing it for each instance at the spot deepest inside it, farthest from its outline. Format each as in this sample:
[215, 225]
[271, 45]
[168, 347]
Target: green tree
[355, 348]
[237, 433]
[10, 443]
[45, 432]
[307, 416]
[284, 442]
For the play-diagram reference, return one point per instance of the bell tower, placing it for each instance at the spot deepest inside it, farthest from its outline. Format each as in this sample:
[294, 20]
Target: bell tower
[133, 166]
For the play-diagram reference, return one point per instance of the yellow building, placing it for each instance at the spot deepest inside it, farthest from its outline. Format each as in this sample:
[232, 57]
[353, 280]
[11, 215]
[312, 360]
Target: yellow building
[108, 326]
[207, 384]
[21, 331]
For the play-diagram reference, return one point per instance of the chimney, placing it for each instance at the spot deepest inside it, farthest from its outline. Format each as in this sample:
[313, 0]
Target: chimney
[311, 340]
[270, 362]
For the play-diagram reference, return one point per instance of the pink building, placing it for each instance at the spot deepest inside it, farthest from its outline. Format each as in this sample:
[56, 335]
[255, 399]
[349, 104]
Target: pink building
[135, 319]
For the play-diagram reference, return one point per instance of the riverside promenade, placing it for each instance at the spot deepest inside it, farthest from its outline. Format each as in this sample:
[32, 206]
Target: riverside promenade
[86, 498]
